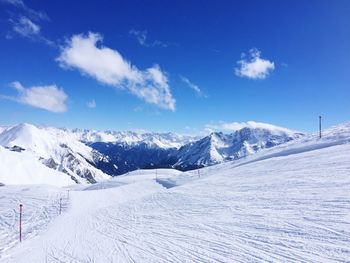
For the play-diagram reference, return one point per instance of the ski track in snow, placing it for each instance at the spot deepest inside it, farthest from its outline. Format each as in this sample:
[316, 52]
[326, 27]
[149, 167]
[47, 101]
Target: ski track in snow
[286, 208]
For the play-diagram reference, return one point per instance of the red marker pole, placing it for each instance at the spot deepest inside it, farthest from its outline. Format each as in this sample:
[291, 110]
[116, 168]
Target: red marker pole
[20, 222]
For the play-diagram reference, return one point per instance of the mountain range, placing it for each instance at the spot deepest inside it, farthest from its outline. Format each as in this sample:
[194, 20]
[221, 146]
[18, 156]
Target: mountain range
[88, 156]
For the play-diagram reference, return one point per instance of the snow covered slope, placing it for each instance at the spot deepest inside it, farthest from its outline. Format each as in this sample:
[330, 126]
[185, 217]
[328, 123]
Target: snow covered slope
[218, 147]
[285, 204]
[57, 150]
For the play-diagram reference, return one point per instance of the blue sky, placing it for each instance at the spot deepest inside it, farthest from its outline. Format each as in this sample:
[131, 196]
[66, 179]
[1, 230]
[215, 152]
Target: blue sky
[182, 66]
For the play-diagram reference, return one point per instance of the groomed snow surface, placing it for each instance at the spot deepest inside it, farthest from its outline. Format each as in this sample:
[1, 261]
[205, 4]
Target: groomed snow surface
[287, 204]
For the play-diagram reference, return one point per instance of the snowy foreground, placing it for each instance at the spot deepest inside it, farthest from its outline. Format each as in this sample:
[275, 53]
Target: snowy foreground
[287, 204]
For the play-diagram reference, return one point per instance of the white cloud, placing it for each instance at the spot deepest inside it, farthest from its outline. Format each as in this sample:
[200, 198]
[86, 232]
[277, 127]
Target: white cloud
[49, 97]
[91, 104]
[253, 66]
[107, 65]
[235, 126]
[193, 86]
[141, 37]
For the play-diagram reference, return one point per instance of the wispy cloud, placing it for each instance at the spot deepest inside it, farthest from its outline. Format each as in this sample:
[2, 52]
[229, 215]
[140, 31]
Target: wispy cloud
[193, 86]
[91, 104]
[25, 27]
[141, 37]
[252, 66]
[26, 24]
[14, 2]
[107, 66]
[33, 14]
[50, 97]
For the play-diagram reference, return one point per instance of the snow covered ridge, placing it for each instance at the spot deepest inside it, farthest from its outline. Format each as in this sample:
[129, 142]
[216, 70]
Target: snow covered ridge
[53, 148]
[152, 139]
[161, 140]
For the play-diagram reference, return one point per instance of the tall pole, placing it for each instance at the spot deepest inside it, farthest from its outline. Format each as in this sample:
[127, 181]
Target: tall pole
[20, 222]
[320, 126]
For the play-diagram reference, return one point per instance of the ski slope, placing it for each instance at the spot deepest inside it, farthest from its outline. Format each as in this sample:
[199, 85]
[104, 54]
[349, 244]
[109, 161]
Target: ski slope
[287, 204]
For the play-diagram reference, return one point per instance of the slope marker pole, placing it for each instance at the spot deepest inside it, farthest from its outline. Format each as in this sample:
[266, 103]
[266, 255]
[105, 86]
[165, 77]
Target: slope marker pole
[320, 126]
[20, 222]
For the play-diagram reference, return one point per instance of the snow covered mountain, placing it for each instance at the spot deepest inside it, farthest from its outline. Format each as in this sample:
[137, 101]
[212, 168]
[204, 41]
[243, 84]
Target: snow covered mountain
[131, 154]
[128, 150]
[218, 147]
[57, 150]
[90, 156]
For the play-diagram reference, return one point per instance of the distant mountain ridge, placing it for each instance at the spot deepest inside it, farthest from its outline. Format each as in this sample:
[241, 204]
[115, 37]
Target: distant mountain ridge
[161, 140]
[219, 147]
[212, 149]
